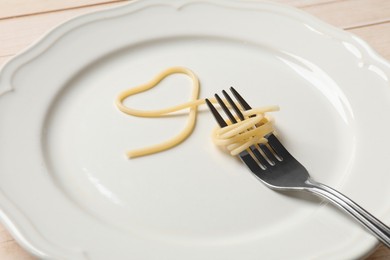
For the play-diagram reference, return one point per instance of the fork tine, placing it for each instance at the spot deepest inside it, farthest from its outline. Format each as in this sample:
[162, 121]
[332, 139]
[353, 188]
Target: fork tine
[245, 156]
[225, 109]
[267, 152]
[278, 147]
[271, 157]
[263, 162]
[250, 162]
[233, 105]
[240, 100]
[216, 115]
[259, 157]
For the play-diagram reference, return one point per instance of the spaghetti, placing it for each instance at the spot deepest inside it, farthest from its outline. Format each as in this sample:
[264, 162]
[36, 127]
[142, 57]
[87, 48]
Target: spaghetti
[235, 137]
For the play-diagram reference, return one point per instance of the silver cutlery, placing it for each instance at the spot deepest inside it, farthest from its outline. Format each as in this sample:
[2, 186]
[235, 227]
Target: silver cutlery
[274, 166]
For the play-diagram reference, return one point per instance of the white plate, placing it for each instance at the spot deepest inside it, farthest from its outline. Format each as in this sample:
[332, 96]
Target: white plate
[67, 191]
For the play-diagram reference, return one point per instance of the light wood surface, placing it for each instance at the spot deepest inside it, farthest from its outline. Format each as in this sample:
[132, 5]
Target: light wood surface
[16, 8]
[23, 22]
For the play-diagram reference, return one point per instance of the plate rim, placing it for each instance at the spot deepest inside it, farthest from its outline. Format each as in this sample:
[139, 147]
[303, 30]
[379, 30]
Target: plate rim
[9, 212]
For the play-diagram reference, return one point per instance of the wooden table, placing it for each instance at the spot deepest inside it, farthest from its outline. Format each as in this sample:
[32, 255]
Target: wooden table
[22, 22]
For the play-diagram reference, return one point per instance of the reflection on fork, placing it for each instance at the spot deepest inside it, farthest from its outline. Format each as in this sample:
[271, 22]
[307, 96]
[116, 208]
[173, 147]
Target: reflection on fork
[274, 166]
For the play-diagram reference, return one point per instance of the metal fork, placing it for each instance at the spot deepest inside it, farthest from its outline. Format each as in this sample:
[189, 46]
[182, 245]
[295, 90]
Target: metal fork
[273, 165]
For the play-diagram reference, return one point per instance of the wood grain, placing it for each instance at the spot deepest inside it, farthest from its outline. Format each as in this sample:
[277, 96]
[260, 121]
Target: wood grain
[377, 36]
[9, 249]
[18, 33]
[352, 13]
[16, 8]
[381, 253]
[303, 3]
[4, 59]
[24, 21]
[344, 14]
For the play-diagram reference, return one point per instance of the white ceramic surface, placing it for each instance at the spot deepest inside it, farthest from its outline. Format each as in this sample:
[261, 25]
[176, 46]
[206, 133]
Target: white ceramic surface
[68, 192]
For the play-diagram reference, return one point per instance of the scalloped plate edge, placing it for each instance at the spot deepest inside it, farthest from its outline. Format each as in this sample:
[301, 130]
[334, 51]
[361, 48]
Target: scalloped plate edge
[13, 218]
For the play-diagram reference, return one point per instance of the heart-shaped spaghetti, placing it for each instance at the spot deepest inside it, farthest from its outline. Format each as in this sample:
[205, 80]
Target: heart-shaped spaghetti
[235, 137]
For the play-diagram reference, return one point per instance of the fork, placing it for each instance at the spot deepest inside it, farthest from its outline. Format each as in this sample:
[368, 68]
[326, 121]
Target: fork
[274, 166]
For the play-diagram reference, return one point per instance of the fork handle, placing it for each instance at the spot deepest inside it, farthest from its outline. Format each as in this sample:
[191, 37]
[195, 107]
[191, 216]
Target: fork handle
[380, 230]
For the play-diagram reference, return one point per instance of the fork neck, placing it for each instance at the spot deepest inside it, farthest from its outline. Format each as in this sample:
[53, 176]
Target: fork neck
[379, 229]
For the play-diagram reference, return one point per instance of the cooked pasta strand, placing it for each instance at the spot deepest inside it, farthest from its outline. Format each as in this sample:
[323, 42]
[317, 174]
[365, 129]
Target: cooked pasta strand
[235, 137]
